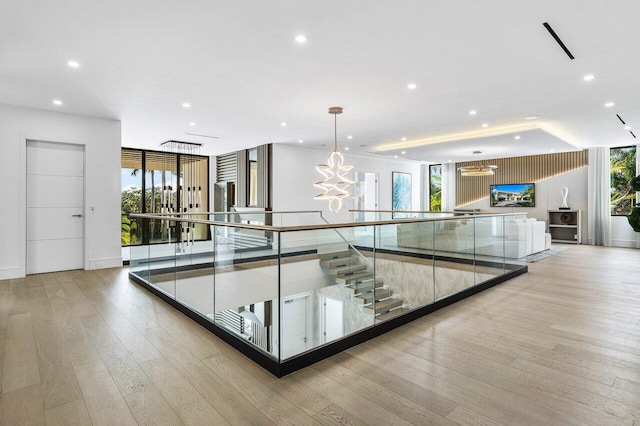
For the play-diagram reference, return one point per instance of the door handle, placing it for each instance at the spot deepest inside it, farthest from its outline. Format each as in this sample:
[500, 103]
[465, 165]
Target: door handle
[76, 215]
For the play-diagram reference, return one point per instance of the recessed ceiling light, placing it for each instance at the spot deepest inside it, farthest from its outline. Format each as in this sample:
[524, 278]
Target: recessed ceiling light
[609, 104]
[395, 156]
[627, 127]
[349, 137]
[404, 139]
[449, 161]
[473, 112]
[485, 125]
[192, 123]
[186, 105]
[57, 102]
[552, 150]
[411, 86]
[346, 148]
[283, 124]
[531, 117]
[300, 141]
[403, 152]
[588, 77]
[73, 64]
[517, 137]
[300, 39]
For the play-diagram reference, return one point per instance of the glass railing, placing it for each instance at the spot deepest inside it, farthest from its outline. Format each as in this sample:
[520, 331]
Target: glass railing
[287, 284]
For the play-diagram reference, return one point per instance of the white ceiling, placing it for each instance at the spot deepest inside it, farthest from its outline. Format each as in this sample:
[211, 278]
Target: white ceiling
[239, 67]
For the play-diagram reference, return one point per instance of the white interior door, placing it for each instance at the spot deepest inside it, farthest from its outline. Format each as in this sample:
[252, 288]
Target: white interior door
[55, 207]
[296, 329]
[333, 323]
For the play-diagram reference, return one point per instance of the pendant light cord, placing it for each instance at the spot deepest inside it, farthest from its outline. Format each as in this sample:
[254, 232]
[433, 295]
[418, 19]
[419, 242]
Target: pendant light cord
[335, 129]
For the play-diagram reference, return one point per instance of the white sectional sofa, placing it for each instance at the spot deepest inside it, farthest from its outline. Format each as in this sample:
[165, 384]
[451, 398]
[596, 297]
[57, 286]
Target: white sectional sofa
[525, 237]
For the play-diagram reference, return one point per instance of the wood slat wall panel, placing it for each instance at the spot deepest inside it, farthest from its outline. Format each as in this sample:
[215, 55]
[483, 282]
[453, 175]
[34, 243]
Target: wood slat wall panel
[532, 168]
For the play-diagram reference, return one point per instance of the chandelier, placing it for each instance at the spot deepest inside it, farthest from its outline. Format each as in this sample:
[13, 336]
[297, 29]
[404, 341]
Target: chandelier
[478, 170]
[335, 184]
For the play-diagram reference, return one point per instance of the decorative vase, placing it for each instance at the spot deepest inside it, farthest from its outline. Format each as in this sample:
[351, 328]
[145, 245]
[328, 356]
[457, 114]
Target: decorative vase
[565, 192]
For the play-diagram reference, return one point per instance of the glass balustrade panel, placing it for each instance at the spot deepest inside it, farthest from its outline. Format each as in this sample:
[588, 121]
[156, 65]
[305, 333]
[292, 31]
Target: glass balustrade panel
[246, 285]
[324, 274]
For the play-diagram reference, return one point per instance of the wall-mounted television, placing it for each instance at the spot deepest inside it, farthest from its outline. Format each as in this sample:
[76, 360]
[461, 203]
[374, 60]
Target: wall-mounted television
[513, 195]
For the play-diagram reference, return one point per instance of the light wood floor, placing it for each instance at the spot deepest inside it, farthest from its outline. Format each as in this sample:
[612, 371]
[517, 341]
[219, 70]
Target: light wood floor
[557, 346]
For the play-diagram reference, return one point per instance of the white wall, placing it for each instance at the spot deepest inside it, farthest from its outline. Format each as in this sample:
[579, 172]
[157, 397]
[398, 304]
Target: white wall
[294, 173]
[102, 140]
[548, 197]
[622, 234]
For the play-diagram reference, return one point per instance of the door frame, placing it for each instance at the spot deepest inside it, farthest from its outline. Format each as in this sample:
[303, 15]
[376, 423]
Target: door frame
[22, 188]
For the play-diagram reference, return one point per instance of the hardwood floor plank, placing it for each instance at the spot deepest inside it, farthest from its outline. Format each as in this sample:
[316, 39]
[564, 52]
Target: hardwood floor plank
[334, 415]
[124, 370]
[465, 417]
[150, 408]
[79, 346]
[187, 403]
[22, 406]
[380, 395]
[348, 400]
[71, 413]
[276, 407]
[234, 408]
[20, 369]
[100, 393]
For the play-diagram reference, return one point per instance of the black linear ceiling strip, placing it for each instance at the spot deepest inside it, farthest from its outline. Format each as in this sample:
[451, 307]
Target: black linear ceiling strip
[634, 136]
[620, 118]
[555, 36]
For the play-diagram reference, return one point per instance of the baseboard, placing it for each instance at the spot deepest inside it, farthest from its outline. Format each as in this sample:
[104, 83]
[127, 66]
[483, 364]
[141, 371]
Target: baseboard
[11, 272]
[107, 262]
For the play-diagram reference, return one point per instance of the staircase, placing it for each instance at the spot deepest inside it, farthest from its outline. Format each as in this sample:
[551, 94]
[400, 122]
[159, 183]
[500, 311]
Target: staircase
[358, 281]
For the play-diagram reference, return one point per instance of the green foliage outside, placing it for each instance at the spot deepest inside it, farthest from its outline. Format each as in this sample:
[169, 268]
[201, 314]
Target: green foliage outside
[623, 170]
[131, 199]
[435, 188]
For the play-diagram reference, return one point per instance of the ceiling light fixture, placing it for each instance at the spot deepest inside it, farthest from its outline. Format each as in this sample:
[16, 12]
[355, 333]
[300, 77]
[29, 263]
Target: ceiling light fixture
[403, 152]
[186, 105]
[473, 112]
[485, 125]
[57, 102]
[300, 141]
[411, 86]
[404, 139]
[395, 156]
[346, 148]
[609, 104]
[449, 161]
[552, 150]
[300, 39]
[73, 64]
[335, 185]
[192, 123]
[349, 137]
[478, 170]
[283, 124]
[588, 77]
[531, 117]
[517, 137]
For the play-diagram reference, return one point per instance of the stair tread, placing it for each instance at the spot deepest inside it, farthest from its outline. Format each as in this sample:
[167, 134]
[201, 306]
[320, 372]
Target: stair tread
[391, 314]
[366, 298]
[354, 277]
[383, 306]
[334, 255]
[345, 260]
[347, 270]
[365, 287]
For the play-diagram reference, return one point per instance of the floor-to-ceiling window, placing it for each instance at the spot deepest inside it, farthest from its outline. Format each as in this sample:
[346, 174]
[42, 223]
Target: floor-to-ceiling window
[623, 168]
[151, 183]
